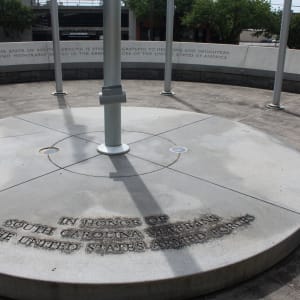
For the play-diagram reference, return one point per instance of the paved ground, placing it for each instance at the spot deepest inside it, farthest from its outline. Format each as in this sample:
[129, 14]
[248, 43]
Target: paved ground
[246, 105]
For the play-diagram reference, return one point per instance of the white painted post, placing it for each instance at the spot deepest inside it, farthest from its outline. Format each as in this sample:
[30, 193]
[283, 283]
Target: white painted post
[169, 49]
[56, 49]
[112, 94]
[284, 34]
[132, 26]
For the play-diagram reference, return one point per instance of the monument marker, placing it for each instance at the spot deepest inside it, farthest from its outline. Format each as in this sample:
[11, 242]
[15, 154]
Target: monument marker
[92, 224]
[119, 235]
[164, 221]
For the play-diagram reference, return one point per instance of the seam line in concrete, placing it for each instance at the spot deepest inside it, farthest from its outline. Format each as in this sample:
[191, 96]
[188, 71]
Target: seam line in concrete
[114, 177]
[218, 185]
[195, 177]
[249, 116]
[20, 135]
[73, 164]
[235, 191]
[93, 142]
[98, 155]
[29, 180]
[172, 129]
[78, 137]
[59, 169]
[155, 163]
[186, 125]
[40, 125]
[146, 138]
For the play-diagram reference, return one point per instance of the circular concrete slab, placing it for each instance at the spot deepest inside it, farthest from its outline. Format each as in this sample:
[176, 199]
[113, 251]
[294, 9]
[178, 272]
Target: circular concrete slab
[199, 203]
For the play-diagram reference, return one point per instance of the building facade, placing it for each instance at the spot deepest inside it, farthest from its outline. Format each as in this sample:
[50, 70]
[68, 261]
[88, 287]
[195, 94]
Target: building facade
[78, 20]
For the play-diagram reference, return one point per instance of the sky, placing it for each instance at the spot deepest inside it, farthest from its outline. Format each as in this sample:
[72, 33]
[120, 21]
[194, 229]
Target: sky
[279, 4]
[275, 3]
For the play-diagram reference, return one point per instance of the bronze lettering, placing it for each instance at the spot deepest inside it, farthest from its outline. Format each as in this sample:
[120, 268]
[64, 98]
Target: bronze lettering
[156, 220]
[110, 223]
[45, 244]
[115, 248]
[27, 226]
[67, 221]
[94, 235]
[6, 235]
[118, 235]
[182, 234]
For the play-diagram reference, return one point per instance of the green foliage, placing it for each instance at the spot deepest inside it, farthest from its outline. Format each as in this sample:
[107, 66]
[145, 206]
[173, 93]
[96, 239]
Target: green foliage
[222, 20]
[227, 18]
[146, 8]
[272, 26]
[183, 6]
[203, 13]
[152, 11]
[143, 8]
[14, 16]
[294, 36]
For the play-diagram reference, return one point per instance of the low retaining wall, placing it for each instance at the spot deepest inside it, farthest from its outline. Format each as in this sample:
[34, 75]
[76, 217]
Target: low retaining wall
[228, 64]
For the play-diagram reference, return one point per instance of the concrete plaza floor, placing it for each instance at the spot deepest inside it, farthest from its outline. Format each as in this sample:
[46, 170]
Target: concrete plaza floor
[246, 105]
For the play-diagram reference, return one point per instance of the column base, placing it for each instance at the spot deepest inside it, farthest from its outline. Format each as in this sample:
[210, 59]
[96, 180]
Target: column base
[122, 149]
[59, 93]
[275, 106]
[164, 93]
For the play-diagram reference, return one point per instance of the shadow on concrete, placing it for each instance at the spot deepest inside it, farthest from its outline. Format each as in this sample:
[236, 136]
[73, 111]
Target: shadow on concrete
[291, 113]
[147, 205]
[73, 130]
[187, 104]
[62, 103]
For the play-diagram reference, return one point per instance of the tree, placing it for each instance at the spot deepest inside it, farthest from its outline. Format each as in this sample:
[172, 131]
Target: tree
[154, 13]
[294, 36]
[143, 8]
[14, 17]
[183, 6]
[181, 31]
[272, 26]
[152, 10]
[225, 19]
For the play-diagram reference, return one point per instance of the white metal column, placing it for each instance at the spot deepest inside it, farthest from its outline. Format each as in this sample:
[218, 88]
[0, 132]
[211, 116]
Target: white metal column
[169, 49]
[284, 34]
[112, 94]
[56, 49]
[132, 26]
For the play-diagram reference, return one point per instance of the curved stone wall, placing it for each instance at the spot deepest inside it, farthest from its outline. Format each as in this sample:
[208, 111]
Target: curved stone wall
[229, 64]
